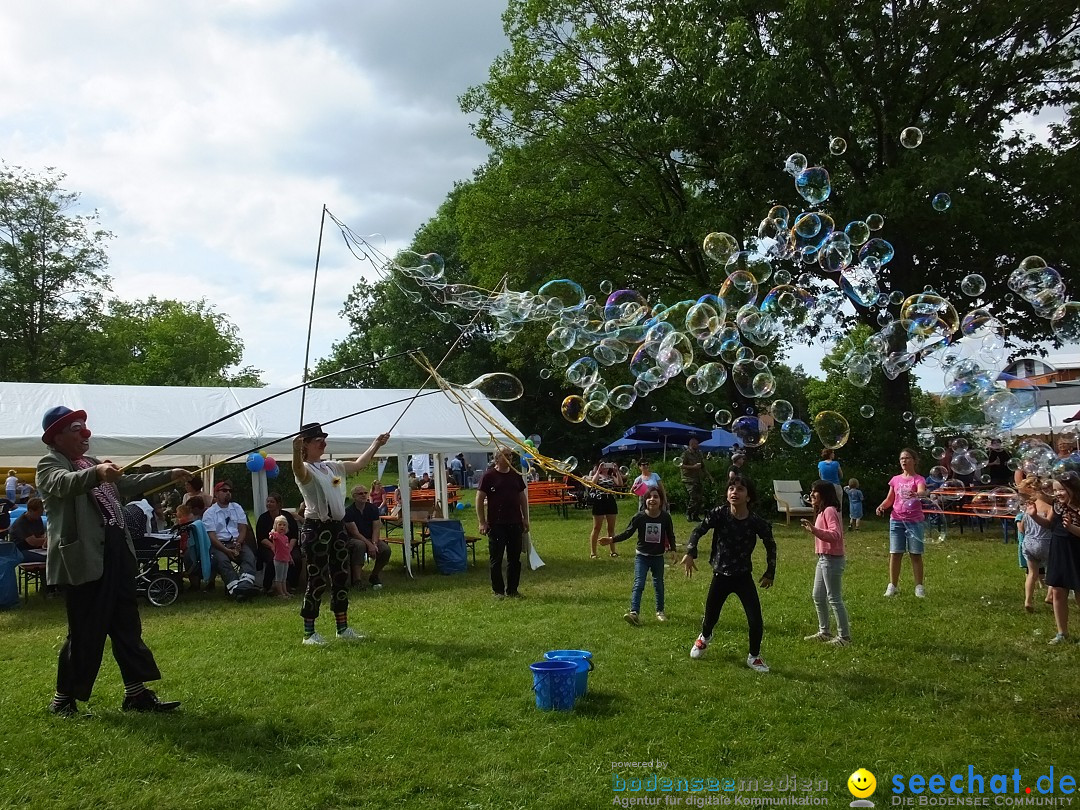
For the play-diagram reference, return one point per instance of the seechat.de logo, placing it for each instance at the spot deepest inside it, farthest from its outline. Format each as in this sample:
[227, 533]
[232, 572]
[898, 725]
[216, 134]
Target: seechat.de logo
[861, 784]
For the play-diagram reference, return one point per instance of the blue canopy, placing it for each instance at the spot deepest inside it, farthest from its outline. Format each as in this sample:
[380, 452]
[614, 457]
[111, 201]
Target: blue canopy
[721, 440]
[631, 446]
[667, 432]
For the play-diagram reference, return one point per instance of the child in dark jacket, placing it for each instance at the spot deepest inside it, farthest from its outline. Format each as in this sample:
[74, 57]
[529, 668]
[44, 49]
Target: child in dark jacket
[736, 531]
[655, 534]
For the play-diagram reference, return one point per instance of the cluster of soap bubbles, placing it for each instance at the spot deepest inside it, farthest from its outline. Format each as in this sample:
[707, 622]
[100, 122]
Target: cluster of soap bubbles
[764, 289]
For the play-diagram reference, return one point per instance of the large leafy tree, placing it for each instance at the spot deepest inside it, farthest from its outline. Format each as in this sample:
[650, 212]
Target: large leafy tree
[164, 342]
[52, 276]
[627, 130]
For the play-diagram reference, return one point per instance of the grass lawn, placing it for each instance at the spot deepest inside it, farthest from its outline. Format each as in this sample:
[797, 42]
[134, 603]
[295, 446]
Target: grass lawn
[436, 708]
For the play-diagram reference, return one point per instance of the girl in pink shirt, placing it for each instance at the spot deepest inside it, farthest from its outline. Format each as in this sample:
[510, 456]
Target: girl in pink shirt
[828, 532]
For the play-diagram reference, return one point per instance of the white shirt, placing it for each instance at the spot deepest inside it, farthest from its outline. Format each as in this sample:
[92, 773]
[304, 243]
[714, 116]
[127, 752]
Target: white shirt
[324, 492]
[225, 521]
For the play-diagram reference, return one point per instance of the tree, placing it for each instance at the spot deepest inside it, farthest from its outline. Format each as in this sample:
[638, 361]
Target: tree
[52, 276]
[163, 342]
[630, 129]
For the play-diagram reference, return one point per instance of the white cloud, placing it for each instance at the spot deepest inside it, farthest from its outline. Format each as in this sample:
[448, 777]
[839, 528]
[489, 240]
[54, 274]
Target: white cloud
[209, 135]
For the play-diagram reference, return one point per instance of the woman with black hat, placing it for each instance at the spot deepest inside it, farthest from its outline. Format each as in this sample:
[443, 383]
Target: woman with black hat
[322, 536]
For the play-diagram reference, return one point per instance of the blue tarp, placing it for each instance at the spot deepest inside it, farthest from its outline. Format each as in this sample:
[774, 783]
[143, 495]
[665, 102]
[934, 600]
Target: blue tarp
[448, 546]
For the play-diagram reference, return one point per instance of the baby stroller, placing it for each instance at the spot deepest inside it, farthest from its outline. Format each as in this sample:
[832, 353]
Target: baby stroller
[159, 560]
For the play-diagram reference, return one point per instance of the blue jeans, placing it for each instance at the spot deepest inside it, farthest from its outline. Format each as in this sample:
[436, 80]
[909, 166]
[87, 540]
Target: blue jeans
[642, 565]
[828, 578]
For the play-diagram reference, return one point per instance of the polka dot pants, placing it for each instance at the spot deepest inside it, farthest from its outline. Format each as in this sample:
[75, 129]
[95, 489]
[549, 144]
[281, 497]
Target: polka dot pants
[325, 546]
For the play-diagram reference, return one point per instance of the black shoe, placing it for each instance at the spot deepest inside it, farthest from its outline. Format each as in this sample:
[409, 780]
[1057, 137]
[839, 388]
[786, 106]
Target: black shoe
[375, 582]
[147, 701]
[64, 708]
[514, 595]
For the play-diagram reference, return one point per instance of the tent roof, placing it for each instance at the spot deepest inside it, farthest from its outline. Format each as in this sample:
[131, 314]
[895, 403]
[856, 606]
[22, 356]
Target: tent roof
[1047, 418]
[128, 421]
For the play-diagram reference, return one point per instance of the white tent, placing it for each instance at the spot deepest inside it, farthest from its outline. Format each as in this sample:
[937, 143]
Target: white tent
[1048, 419]
[130, 421]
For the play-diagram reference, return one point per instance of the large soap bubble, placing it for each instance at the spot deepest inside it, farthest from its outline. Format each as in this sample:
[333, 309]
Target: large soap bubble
[498, 386]
[832, 429]
[813, 185]
[750, 430]
[562, 293]
[795, 433]
[911, 137]
[573, 409]
[719, 246]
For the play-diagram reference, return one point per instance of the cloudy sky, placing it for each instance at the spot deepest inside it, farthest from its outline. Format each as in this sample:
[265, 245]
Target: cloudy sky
[209, 134]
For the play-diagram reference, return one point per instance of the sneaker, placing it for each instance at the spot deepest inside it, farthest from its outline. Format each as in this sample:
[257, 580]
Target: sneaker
[820, 635]
[64, 708]
[892, 590]
[661, 616]
[840, 641]
[500, 596]
[1060, 638]
[632, 618]
[315, 640]
[920, 591]
[348, 634]
[375, 582]
[700, 644]
[757, 663]
[147, 701]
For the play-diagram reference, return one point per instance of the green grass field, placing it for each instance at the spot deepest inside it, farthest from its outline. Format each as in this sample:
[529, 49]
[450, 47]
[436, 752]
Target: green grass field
[436, 708]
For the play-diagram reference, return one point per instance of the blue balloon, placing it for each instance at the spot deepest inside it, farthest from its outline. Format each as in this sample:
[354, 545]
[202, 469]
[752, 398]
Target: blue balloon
[255, 462]
[460, 505]
[273, 472]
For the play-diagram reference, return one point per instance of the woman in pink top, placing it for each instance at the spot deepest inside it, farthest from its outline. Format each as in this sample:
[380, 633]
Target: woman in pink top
[906, 524]
[828, 532]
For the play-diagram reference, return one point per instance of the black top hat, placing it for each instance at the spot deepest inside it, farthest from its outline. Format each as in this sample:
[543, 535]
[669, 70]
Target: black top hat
[312, 430]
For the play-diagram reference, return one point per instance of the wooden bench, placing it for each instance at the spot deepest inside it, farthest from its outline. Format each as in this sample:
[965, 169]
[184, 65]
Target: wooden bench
[551, 493]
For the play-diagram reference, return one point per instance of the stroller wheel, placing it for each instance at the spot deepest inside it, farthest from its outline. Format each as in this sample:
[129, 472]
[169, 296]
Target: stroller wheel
[162, 591]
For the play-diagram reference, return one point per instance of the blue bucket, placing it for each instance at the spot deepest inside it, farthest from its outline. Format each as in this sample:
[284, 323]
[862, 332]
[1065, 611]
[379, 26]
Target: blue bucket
[581, 658]
[553, 683]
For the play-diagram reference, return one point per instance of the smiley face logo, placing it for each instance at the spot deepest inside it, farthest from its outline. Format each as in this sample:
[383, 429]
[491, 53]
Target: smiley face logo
[861, 783]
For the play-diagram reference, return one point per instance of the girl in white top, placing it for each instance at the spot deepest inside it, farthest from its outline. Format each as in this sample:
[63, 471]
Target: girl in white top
[322, 536]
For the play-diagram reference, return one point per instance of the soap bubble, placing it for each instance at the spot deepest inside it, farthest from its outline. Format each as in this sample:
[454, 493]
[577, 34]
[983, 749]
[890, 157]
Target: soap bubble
[561, 294]
[795, 432]
[582, 372]
[962, 463]
[973, 284]
[875, 222]
[1065, 322]
[941, 202]
[750, 430]
[910, 137]
[867, 411]
[498, 387]
[907, 416]
[597, 414]
[623, 397]
[606, 287]
[837, 146]
[813, 185]
[857, 231]
[832, 429]
[573, 409]
[722, 417]
[719, 246]
[781, 410]
[795, 163]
